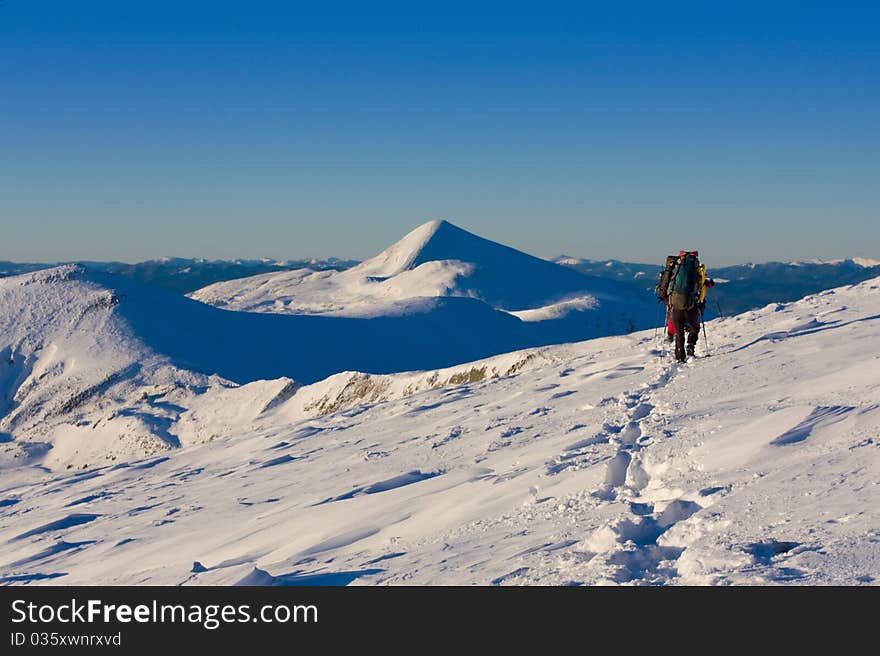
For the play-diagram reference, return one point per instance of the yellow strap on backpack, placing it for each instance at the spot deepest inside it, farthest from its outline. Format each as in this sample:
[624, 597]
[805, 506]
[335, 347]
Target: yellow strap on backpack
[702, 296]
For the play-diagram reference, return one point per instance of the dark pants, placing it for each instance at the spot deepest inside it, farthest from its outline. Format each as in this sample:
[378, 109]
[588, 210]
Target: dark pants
[685, 321]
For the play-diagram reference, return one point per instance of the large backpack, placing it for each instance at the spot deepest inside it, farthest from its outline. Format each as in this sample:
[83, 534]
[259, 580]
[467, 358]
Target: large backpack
[662, 288]
[684, 282]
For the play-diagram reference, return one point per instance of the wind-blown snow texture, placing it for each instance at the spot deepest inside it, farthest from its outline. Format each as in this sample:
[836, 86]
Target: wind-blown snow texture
[596, 462]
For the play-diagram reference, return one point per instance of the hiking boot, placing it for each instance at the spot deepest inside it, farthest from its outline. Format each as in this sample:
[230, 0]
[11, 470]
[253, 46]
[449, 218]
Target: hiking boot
[670, 338]
[690, 349]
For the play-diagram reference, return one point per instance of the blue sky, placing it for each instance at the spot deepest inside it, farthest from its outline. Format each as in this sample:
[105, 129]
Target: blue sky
[131, 130]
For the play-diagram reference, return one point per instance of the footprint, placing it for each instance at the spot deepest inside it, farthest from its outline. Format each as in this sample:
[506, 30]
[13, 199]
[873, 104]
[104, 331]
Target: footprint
[631, 434]
[677, 511]
[636, 476]
[615, 471]
[631, 544]
[764, 552]
[641, 411]
[650, 563]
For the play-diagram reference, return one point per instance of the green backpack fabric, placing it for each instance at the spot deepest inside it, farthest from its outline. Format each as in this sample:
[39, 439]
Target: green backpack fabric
[684, 283]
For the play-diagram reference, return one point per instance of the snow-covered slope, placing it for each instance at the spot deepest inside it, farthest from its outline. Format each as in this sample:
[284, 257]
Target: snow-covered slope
[596, 462]
[95, 368]
[435, 259]
[84, 379]
[245, 347]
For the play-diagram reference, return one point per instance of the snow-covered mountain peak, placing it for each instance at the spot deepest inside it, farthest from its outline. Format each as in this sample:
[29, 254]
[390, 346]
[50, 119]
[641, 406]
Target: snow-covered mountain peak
[436, 259]
[406, 253]
[438, 241]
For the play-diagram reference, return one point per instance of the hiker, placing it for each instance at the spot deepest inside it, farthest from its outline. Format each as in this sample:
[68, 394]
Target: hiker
[683, 284]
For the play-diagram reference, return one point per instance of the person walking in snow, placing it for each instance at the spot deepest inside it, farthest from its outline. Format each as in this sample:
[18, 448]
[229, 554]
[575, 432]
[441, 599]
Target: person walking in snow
[683, 284]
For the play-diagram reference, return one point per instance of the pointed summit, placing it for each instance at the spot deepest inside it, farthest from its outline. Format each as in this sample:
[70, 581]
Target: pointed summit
[499, 275]
[405, 254]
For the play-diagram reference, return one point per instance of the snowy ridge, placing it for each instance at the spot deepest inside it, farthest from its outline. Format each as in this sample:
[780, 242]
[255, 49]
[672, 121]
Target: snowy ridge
[349, 390]
[76, 385]
[598, 462]
[94, 368]
[557, 310]
[403, 255]
[227, 411]
[421, 333]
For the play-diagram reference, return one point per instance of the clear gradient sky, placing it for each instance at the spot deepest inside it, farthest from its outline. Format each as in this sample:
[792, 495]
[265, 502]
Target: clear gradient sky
[134, 129]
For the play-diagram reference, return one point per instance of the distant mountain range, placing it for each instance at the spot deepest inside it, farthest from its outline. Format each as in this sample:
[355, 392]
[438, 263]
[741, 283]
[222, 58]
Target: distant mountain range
[185, 275]
[743, 286]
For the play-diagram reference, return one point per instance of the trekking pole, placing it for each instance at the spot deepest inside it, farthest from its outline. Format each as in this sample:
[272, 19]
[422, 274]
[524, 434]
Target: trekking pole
[656, 324]
[705, 337]
[718, 305]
